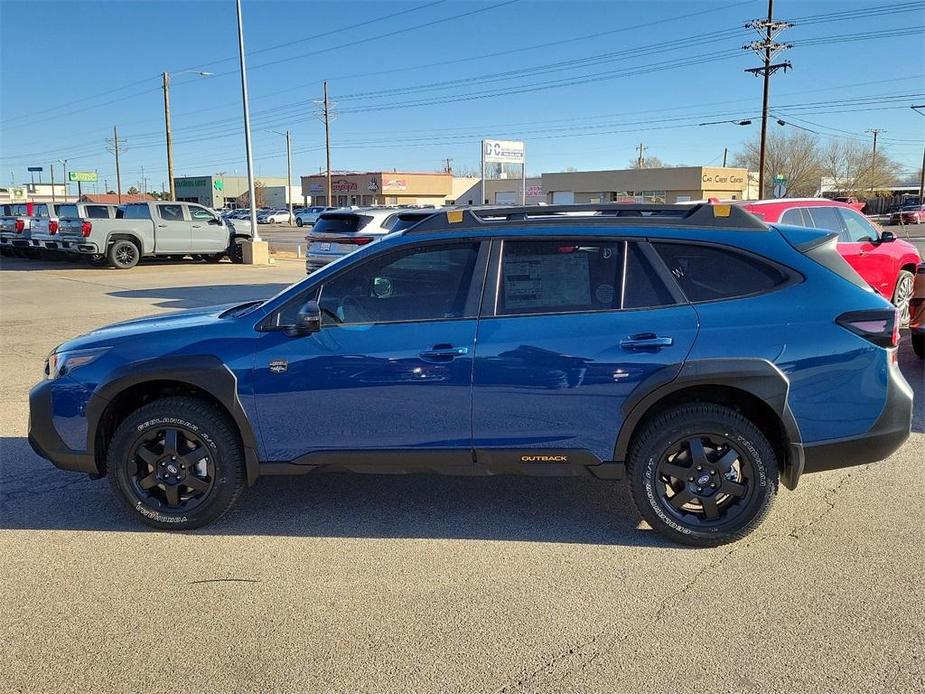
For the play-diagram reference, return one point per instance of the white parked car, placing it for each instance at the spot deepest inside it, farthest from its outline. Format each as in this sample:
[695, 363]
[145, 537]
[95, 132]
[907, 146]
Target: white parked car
[309, 215]
[277, 217]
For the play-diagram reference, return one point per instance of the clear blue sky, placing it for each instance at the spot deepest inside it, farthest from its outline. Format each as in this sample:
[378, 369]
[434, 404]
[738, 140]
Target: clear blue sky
[564, 81]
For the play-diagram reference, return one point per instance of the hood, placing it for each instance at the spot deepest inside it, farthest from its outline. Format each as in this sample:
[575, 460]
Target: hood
[149, 327]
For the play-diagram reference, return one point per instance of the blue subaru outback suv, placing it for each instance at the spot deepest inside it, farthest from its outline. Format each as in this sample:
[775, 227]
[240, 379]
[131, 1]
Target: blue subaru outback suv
[696, 351]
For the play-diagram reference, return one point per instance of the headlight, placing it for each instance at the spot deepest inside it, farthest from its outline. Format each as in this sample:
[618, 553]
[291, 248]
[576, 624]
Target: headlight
[62, 363]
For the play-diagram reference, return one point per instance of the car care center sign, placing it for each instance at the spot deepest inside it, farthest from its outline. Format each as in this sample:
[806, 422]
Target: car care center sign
[503, 151]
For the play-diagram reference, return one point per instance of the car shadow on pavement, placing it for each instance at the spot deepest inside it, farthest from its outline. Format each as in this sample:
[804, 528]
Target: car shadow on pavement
[202, 295]
[18, 264]
[34, 495]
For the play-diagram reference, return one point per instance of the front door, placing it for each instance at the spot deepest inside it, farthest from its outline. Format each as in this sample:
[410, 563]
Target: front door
[207, 232]
[171, 229]
[870, 259]
[568, 343]
[391, 367]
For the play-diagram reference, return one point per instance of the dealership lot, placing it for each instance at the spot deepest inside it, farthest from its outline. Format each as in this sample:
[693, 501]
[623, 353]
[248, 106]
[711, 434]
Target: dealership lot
[418, 583]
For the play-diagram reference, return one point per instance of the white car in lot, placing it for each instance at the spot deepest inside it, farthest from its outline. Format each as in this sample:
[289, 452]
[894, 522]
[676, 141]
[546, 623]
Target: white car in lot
[342, 231]
[309, 215]
[273, 217]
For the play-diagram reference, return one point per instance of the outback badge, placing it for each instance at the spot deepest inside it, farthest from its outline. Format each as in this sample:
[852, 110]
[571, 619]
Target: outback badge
[544, 458]
[279, 366]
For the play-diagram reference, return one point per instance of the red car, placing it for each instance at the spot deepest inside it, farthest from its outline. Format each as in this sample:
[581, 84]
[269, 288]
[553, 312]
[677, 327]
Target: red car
[886, 263]
[910, 214]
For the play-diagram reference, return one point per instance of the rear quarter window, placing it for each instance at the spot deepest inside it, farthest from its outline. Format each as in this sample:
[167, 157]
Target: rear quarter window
[709, 273]
[67, 211]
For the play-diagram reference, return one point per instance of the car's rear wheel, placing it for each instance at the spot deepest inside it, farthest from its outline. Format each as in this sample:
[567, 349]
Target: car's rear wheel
[902, 294]
[918, 344]
[177, 462]
[123, 255]
[702, 474]
[299, 222]
[211, 257]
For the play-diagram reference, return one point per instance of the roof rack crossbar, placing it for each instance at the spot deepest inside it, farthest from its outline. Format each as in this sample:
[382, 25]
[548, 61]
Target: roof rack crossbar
[704, 215]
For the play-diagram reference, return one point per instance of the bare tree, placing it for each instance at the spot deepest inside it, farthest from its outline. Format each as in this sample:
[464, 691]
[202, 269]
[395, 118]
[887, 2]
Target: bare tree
[466, 171]
[853, 171]
[243, 200]
[795, 156]
[647, 163]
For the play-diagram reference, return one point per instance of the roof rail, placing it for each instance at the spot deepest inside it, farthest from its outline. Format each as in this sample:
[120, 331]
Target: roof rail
[616, 214]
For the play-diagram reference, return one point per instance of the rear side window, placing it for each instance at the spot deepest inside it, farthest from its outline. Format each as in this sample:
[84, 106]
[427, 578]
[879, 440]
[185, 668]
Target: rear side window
[560, 276]
[340, 223]
[97, 212]
[826, 218]
[795, 217]
[67, 211]
[135, 212]
[40, 211]
[643, 287]
[708, 273]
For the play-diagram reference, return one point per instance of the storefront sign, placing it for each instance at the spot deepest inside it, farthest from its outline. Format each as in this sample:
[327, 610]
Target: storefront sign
[710, 178]
[503, 151]
[342, 185]
[192, 182]
[316, 187]
[534, 191]
[395, 184]
[372, 186]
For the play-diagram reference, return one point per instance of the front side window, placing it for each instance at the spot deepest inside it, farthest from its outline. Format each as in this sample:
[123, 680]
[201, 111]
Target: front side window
[708, 273]
[170, 213]
[428, 283]
[858, 229]
[560, 276]
[200, 214]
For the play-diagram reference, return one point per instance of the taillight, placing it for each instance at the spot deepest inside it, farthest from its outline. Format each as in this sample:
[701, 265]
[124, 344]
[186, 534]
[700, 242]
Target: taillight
[20, 226]
[52, 227]
[880, 326]
[357, 240]
[85, 229]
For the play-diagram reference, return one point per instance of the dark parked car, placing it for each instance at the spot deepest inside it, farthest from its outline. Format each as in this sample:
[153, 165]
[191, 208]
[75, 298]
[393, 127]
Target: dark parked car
[699, 352]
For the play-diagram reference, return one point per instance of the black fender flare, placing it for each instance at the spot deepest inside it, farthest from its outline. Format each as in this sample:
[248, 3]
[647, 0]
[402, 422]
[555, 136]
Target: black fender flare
[205, 372]
[758, 377]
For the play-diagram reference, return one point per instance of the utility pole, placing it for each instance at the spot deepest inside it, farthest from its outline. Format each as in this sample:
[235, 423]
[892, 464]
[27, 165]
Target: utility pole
[448, 168]
[64, 178]
[873, 157]
[114, 146]
[288, 168]
[166, 80]
[52, 168]
[725, 152]
[327, 140]
[922, 172]
[766, 48]
[641, 159]
[144, 181]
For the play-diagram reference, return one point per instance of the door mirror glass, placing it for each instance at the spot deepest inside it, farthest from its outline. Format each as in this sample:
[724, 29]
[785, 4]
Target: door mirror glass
[216, 222]
[887, 237]
[307, 320]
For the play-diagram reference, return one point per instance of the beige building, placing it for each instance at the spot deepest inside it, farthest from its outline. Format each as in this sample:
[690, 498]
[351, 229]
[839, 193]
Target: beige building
[667, 185]
[385, 188]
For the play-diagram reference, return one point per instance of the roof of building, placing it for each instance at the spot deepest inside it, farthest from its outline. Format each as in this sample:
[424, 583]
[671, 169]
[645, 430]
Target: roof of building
[113, 198]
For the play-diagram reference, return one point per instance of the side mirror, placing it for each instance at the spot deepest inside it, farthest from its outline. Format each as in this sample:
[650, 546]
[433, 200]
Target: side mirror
[217, 222]
[307, 320]
[887, 237]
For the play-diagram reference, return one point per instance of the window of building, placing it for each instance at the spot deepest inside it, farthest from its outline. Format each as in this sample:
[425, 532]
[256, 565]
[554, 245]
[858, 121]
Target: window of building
[707, 273]
[560, 276]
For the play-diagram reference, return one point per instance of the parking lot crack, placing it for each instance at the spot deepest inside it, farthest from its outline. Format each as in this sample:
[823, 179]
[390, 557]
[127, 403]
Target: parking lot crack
[829, 498]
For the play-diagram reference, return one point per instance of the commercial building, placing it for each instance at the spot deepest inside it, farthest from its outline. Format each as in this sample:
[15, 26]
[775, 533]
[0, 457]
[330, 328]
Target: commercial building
[666, 185]
[35, 192]
[223, 191]
[386, 188]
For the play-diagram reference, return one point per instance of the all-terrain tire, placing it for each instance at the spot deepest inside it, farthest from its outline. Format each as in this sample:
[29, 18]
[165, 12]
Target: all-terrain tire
[192, 419]
[667, 431]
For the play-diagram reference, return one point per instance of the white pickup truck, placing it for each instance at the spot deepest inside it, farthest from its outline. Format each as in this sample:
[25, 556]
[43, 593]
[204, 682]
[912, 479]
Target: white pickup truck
[149, 229]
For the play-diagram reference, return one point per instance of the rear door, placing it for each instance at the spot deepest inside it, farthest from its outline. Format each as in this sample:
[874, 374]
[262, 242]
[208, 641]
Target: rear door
[208, 233]
[570, 328]
[172, 230]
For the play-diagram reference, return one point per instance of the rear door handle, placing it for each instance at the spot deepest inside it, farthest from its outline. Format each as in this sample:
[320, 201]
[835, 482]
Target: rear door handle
[646, 341]
[443, 353]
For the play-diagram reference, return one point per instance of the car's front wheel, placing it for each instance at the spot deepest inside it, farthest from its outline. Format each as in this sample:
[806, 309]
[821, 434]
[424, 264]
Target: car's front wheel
[902, 294]
[177, 462]
[299, 222]
[702, 474]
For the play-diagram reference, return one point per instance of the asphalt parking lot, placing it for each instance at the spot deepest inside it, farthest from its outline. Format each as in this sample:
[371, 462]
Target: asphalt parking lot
[343, 583]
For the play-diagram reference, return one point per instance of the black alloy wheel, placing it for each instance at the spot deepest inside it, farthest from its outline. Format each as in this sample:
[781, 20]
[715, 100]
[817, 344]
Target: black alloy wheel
[171, 468]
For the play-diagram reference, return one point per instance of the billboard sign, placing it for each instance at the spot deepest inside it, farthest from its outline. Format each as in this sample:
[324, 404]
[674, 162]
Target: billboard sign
[82, 176]
[34, 169]
[503, 151]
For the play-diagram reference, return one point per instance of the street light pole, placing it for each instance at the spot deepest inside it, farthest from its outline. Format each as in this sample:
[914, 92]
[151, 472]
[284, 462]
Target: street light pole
[251, 188]
[922, 172]
[63, 162]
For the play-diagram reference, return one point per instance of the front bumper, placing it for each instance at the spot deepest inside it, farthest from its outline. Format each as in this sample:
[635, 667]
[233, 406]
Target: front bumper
[45, 439]
[887, 434]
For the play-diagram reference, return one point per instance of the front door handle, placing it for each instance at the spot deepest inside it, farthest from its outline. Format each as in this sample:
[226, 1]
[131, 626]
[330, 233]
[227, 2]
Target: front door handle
[646, 341]
[443, 353]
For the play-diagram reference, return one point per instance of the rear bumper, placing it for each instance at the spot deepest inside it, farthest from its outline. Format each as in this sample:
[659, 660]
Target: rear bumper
[316, 262]
[44, 438]
[887, 434]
